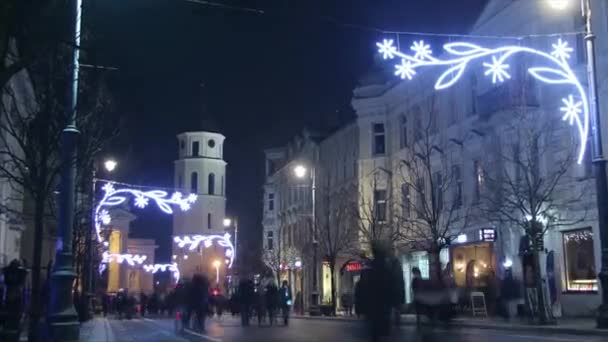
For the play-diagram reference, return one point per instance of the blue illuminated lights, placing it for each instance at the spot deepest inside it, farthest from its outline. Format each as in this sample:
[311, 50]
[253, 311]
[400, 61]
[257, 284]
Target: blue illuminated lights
[163, 268]
[114, 197]
[193, 241]
[460, 55]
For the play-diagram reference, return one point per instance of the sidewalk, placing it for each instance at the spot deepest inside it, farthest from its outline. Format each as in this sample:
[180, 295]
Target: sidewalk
[97, 330]
[578, 326]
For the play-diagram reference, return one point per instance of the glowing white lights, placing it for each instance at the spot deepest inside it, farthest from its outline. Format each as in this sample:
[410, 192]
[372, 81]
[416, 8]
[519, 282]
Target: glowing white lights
[193, 241]
[405, 70]
[571, 109]
[462, 238]
[113, 197]
[163, 268]
[561, 50]
[120, 258]
[421, 50]
[497, 69]
[460, 55]
[507, 263]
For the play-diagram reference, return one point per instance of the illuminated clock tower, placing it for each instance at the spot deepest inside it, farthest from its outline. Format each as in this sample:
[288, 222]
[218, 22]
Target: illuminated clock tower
[200, 169]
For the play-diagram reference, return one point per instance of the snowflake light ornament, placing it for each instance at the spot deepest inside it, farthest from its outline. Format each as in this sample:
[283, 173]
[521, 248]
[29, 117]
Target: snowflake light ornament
[497, 69]
[386, 48]
[141, 202]
[105, 218]
[405, 69]
[552, 70]
[191, 242]
[571, 109]
[421, 50]
[561, 50]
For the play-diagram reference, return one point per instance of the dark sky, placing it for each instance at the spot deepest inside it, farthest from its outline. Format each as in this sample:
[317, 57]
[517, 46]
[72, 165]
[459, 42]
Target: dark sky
[265, 77]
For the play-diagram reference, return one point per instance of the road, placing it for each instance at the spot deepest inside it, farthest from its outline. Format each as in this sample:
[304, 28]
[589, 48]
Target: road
[229, 330]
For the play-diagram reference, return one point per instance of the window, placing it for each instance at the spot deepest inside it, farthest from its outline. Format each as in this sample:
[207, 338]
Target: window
[378, 142]
[579, 260]
[182, 144]
[195, 149]
[269, 240]
[405, 200]
[420, 198]
[517, 165]
[194, 182]
[211, 184]
[222, 190]
[211, 143]
[209, 221]
[438, 190]
[380, 205]
[473, 95]
[417, 124]
[180, 182]
[479, 178]
[457, 178]
[403, 131]
[270, 202]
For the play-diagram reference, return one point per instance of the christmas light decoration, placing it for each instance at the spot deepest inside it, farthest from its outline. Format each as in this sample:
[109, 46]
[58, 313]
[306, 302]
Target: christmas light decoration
[120, 258]
[461, 55]
[113, 197]
[193, 241]
[163, 268]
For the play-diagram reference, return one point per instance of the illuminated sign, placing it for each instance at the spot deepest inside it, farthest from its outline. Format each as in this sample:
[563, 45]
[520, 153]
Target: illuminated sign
[487, 234]
[354, 266]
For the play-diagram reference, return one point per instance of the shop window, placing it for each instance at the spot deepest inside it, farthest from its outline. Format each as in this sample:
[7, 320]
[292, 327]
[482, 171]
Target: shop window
[579, 260]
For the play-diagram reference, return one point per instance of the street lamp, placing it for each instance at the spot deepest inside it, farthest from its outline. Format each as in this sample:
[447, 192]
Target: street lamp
[300, 171]
[599, 163]
[228, 224]
[88, 284]
[216, 264]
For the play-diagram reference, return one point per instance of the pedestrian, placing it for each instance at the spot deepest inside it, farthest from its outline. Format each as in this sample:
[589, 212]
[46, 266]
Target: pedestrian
[271, 300]
[246, 294]
[416, 287]
[380, 293]
[510, 294]
[285, 301]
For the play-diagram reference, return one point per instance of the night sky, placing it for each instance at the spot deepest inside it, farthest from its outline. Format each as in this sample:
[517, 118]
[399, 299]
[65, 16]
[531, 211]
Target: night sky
[260, 77]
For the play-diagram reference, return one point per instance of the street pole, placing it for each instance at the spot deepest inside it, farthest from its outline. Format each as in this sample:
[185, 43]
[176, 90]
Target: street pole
[315, 242]
[88, 285]
[62, 317]
[236, 237]
[599, 165]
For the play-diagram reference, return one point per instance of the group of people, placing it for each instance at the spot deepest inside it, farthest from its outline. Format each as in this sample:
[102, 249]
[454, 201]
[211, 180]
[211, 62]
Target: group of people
[263, 302]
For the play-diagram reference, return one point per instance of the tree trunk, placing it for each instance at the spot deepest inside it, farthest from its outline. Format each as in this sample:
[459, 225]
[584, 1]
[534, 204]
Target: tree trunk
[540, 289]
[332, 267]
[435, 266]
[36, 302]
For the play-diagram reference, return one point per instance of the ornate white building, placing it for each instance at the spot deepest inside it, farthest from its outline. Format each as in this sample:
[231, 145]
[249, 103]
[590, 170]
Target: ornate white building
[200, 169]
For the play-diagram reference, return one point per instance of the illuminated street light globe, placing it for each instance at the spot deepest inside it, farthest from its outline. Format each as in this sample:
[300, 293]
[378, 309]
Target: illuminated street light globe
[110, 165]
[559, 4]
[216, 263]
[299, 171]
[227, 222]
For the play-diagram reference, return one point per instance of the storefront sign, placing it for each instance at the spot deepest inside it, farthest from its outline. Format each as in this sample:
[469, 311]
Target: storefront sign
[354, 266]
[487, 234]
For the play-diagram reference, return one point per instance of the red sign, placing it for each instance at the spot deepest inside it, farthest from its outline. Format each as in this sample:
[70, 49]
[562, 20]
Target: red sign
[354, 266]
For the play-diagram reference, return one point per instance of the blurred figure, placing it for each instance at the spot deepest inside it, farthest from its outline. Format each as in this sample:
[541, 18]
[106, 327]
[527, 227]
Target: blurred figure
[510, 295]
[285, 301]
[198, 299]
[379, 293]
[246, 296]
[416, 289]
[347, 303]
[271, 300]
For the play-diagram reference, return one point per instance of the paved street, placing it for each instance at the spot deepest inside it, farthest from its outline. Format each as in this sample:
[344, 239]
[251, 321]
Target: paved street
[229, 330]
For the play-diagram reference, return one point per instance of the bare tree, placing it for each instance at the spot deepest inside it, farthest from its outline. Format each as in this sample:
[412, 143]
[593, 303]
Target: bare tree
[431, 211]
[33, 115]
[280, 259]
[534, 188]
[336, 228]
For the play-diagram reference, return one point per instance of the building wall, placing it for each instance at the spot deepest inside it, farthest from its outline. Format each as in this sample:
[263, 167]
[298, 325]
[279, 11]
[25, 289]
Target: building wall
[139, 280]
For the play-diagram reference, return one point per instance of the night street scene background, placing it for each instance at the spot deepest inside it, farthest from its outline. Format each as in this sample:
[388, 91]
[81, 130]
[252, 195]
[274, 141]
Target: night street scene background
[280, 170]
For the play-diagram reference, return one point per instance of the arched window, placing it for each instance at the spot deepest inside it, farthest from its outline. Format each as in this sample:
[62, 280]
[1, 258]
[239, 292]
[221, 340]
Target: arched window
[194, 183]
[211, 184]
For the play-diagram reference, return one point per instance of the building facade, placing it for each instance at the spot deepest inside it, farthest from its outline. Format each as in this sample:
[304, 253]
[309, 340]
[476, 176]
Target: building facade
[200, 169]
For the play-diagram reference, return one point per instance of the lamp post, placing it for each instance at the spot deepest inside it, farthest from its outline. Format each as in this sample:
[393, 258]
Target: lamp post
[228, 224]
[62, 317]
[599, 163]
[301, 171]
[216, 264]
[88, 285]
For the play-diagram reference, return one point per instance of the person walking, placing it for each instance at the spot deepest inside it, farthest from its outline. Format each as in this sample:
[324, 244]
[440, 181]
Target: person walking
[285, 300]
